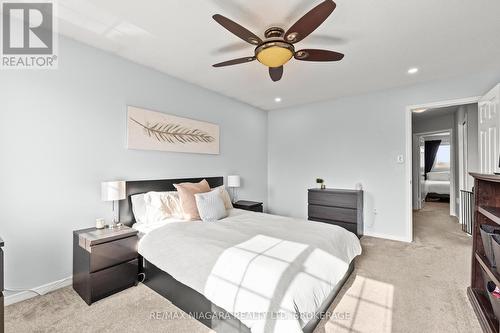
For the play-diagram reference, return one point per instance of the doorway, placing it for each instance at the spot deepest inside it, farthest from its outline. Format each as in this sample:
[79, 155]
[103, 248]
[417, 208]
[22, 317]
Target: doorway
[432, 169]
[410, 152]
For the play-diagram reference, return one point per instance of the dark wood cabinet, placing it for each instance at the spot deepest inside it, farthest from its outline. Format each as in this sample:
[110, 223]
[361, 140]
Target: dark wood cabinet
[486, 211]
[253, 206]
[1, 288]
[339, 207]
[104, 262]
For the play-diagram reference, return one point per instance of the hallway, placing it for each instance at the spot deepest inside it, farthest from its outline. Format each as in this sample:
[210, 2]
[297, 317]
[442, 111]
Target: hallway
[418, 287]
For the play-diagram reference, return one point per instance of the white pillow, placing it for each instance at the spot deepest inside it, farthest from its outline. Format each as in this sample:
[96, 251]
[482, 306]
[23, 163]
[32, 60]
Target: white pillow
[225, 197]
[441, 176]
[210, 206]
[161, 206]
[138, 207]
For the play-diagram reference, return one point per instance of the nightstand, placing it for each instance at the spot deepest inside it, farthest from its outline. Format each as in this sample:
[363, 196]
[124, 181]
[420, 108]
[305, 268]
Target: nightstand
[249, 205]
[105, 261]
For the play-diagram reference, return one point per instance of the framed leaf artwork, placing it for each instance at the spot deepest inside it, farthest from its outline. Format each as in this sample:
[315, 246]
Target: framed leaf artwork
[151, 130]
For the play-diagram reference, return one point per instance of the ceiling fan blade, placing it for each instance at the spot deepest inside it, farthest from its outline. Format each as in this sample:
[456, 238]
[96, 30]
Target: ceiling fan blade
[234, 62]
[276, 73]
[310, 21]
[237, 29]
[318, 55]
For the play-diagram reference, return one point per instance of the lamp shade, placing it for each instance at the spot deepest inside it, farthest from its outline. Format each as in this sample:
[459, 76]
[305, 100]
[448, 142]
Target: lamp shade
[233, 181]
[111, 191]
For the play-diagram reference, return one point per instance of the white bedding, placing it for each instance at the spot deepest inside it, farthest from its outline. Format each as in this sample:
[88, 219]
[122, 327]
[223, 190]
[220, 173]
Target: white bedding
[145, 228]
[271, 272]
[436, 186]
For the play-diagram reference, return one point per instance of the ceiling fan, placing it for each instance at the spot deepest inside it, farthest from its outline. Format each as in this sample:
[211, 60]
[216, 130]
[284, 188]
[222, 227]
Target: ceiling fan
[278, 46]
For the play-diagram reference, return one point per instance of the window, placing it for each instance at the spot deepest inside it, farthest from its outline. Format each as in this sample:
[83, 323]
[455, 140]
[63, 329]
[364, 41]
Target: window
[442, 161]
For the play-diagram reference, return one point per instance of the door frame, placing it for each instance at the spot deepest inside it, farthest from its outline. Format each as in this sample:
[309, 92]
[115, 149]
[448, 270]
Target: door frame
[417, 136]
[409, 150]
[463, 157]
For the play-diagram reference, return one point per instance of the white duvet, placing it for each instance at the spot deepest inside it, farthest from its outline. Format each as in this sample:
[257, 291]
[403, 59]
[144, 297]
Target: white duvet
[436, 186]
[271, 272]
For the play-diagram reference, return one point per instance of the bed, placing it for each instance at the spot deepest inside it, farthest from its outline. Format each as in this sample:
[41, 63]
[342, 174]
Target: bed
[437, 185]
[250, 272]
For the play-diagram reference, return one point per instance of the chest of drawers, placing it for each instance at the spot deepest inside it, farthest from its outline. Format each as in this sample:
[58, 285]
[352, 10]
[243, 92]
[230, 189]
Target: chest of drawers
[339, 207]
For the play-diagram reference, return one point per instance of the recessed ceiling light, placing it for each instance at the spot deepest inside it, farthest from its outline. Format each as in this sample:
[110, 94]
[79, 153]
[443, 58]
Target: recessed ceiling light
[277, 99]
[419, 110]
[413, 70]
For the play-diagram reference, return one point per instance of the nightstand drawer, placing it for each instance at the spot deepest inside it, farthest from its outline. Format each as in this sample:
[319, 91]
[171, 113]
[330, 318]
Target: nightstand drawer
[333, 213]
[113, 253]
[111, 280]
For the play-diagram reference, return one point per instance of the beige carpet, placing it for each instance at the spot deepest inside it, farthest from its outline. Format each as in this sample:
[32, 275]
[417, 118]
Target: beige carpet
[397, 287]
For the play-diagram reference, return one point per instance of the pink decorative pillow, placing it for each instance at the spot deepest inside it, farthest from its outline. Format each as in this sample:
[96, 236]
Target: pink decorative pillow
[188, 201]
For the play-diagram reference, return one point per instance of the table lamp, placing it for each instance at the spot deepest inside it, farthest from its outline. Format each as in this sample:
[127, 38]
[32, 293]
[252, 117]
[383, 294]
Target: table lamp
[233, 182]
[113, 191]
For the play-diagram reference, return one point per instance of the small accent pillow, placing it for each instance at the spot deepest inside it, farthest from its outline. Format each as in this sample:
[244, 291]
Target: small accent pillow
[186, 194]
[225, 197]
[210, 206]
[161, 206]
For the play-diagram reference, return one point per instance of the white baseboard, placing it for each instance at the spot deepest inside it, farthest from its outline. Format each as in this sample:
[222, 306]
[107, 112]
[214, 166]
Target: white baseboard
[33, 292]
[389, 237]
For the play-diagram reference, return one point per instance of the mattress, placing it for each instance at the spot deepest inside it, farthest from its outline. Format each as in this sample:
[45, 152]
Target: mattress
[436, 186]
[271, 272]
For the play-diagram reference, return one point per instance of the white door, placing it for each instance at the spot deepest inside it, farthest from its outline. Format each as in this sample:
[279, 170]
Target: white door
[421, 172]
[462, 163]
[489, 131]
[463, 155]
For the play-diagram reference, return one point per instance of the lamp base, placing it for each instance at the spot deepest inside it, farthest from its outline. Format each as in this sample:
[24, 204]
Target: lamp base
[115, 225]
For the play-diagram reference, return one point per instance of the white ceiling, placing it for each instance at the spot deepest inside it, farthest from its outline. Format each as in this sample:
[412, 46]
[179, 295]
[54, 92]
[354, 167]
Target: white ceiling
[381, 40]
[435, 113]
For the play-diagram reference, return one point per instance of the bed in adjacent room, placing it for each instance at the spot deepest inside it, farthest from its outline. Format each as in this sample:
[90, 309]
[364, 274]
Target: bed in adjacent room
[247, 272]
[437, 185]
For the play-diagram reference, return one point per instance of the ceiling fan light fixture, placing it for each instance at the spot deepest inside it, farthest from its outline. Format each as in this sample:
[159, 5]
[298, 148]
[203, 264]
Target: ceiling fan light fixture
[274, 54]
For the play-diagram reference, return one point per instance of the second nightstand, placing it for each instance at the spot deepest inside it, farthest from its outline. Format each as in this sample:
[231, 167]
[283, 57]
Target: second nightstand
[105, 261]
[254, 206]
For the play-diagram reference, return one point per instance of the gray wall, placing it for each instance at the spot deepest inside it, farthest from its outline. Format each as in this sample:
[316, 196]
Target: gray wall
[62, 132]
[355, 139]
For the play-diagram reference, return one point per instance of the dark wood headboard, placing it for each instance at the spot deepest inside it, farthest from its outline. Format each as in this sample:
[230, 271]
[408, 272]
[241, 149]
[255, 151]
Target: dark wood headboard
[161, 185]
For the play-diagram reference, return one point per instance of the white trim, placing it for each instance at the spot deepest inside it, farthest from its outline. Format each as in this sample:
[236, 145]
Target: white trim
[40, 290]
[443, 104]
[409, 174]
[409, 152]
[453, 167]
[449, 133]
